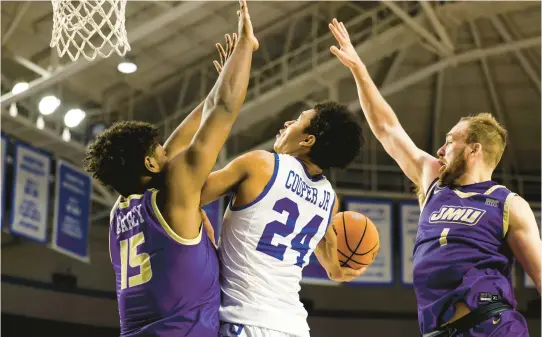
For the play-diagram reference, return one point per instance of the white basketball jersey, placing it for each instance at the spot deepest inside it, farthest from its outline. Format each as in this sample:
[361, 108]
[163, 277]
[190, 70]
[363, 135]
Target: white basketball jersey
[265, 245]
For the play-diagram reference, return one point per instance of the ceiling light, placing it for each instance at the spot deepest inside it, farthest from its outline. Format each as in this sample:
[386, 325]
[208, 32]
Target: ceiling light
[40, 123]
[19, 87]
[13, 111]
[127, 67]
[74, 117]
[48, 105]
[66, 135]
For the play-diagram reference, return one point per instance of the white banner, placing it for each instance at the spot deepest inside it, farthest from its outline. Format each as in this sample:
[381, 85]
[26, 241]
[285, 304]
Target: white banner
[527, 281]
[379, 212]
[409, 216]
[3, 157]
[29, 212]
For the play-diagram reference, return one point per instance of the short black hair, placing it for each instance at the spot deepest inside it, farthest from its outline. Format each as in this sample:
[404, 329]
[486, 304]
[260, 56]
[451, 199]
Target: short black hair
[117, 155]
[338, 133]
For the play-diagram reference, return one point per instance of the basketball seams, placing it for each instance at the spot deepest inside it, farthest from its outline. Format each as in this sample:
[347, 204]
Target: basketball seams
[350, 259]
[352, 252]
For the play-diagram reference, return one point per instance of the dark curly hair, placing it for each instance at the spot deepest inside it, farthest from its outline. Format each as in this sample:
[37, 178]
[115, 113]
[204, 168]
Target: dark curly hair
[116, 157]
[338, 133]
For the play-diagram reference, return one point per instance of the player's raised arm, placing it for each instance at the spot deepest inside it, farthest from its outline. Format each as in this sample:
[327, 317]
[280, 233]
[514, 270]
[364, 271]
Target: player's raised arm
[181, 137]
[419, 166]
[186, 173]
[222, 105]
[326, 253]
[524, 238]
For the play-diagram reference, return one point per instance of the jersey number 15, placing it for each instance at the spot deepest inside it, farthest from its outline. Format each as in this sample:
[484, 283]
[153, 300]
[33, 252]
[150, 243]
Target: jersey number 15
[299, 243]
[129, 256]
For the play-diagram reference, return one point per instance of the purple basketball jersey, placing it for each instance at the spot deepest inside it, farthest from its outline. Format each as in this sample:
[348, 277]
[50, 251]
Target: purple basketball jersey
[460, 253]
[166, 285]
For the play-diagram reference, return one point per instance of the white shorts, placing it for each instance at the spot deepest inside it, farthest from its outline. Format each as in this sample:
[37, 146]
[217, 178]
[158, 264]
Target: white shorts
[240, 330]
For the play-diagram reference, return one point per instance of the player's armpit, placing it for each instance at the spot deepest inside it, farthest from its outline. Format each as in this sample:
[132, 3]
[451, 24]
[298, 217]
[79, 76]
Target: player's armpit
[208, 227]
[523, 237]
[225, 180]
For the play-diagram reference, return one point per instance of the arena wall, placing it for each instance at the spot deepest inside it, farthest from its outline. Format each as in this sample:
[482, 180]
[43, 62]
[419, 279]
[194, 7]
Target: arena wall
[30, 295]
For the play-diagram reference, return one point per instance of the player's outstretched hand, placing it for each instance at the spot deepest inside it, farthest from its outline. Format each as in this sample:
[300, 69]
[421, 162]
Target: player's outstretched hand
[246, 32]
[346, 53]
[225, 54]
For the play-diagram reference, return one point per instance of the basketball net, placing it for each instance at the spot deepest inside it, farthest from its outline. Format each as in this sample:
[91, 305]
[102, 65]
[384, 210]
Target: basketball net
[89, 28]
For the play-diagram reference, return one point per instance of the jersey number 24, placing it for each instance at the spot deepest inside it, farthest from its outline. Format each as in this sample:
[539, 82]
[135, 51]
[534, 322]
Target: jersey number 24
[299, 243]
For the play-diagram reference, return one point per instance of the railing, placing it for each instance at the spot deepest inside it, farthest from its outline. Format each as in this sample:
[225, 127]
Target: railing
[295, 62]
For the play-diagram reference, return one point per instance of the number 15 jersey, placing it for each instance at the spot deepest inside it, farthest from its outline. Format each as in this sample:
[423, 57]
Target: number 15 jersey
[167, 286]
[265, 245]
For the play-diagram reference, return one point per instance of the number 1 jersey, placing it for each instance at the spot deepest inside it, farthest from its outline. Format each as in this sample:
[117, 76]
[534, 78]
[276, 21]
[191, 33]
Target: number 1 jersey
[167, 286]
[265, 245]
[460, 252]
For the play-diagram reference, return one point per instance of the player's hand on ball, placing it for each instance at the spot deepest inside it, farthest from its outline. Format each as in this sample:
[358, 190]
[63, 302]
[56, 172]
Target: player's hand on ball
[246, 32]
[350, 274]
[347, 274]
[225, 54]
[346, 53]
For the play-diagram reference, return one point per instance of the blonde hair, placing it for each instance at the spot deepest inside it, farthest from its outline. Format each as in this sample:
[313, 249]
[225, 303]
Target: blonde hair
[484, 129]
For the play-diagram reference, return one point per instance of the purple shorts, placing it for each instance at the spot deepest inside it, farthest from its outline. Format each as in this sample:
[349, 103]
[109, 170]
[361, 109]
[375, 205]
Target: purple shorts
[506, 324]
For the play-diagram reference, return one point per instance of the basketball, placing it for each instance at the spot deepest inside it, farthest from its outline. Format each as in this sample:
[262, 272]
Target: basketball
[357, 239]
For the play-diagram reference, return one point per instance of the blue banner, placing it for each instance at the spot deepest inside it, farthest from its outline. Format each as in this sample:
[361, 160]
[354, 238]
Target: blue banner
[72, 211]
[30, 206]
[527, 281]
[3, 165]
[409, 215]
[214, 213]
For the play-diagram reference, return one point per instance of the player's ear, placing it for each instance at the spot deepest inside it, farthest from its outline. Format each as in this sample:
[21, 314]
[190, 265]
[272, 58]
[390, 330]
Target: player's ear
[308, 141]
[476, 149]
[151, 164]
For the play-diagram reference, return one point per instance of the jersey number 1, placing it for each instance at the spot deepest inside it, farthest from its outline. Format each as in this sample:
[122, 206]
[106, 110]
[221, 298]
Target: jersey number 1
[299, 243]
[443, 237]
[129, 256]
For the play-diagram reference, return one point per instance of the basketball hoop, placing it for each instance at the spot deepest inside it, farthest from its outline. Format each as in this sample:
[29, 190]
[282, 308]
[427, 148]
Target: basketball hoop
[89, 28]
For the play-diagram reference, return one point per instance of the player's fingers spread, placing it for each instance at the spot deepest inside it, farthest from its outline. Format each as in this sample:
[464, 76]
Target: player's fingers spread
[343, 30]
[234, 40]
[228, 45]
[336, 24]
[221, 52]
[217, 66]
[232, 43]
[335, 32]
